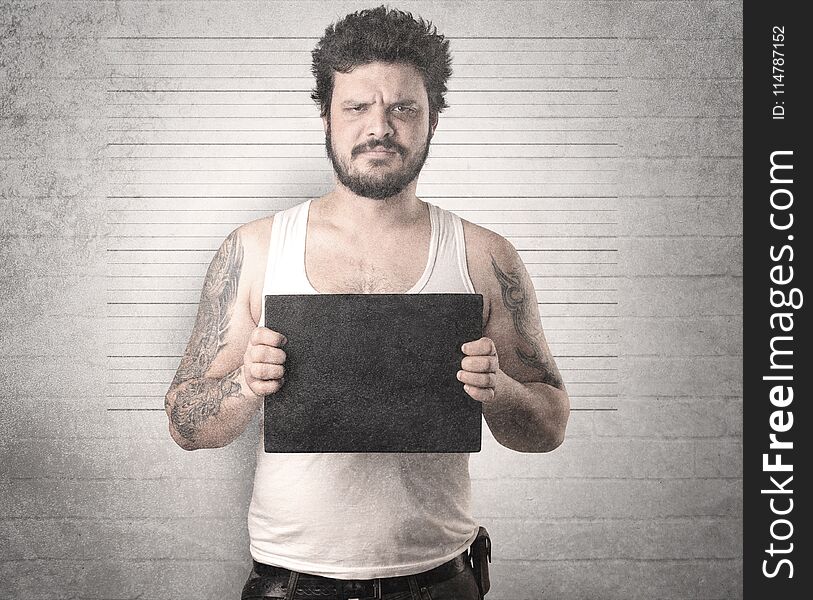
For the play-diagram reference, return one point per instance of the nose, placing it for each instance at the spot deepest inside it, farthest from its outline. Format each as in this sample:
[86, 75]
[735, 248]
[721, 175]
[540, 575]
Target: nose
[379, 125]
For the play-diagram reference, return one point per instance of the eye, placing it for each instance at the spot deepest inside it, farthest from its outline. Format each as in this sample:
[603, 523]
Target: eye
[402, 108]
[356, 108]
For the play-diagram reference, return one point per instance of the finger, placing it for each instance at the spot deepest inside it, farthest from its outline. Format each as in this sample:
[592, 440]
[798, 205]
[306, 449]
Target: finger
[479, 394]
[268, 337]
[482, 347]
[263, 388]
[266, 371]
[480, 380]
[266, 354]
[480, 364]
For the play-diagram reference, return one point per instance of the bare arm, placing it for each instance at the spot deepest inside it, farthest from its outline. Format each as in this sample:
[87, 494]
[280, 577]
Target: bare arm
[209, 402]
[511, 369]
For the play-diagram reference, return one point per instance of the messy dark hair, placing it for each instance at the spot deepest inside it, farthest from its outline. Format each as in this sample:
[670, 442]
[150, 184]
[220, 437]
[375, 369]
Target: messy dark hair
[385, 35]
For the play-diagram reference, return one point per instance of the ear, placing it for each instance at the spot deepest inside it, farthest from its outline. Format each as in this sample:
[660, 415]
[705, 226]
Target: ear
[433, 123]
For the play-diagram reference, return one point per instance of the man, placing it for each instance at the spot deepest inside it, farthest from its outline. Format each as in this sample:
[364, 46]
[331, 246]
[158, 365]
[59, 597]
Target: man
[366, 525]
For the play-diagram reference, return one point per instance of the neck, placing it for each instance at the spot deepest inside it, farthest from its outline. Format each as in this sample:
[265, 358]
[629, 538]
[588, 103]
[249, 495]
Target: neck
[357, 212]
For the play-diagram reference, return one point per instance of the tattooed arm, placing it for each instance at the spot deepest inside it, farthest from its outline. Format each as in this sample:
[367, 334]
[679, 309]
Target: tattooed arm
[209, 403]
[511, 370]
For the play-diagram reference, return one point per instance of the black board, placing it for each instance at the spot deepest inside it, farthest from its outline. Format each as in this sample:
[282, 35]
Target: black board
[373, 373]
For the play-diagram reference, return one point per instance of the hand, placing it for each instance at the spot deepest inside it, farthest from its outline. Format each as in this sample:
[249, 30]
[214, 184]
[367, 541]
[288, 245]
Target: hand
[263, 362]
[479, 369]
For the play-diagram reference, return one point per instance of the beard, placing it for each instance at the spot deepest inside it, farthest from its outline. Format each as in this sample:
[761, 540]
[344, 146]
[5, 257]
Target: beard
[372, 184]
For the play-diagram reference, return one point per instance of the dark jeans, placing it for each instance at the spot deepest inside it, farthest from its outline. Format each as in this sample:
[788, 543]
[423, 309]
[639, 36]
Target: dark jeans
[462, 586]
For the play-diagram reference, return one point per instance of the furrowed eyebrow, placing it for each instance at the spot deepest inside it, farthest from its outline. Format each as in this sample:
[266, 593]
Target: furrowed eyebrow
[409, 103]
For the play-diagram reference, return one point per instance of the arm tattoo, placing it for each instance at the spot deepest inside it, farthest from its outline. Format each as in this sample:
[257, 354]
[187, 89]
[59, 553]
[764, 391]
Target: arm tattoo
[214, 312]
[200, 399]
[519, 306]
[197, 399]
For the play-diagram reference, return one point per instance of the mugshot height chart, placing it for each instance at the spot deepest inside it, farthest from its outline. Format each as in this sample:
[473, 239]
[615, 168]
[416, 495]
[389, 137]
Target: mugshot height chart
[207, 134]
[598, 137]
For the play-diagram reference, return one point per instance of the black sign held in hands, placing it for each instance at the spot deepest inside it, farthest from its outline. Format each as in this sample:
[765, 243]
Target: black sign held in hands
[373, 373]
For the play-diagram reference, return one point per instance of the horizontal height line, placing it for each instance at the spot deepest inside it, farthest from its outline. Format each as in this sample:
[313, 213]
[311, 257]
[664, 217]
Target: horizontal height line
[307, 52]
[531, 170]
[314, 118]
[310, 104]
[303, 91]
[178, 303]
[462, 210]
[548, 157]
[197, 277]
[174, 197]
[322, 144]
[305, 131]
[307, 37]
[480, 183]
[230, 77]
[290, 64]
[585, 356]
[139, 409]
[510, 236]
[214, 249]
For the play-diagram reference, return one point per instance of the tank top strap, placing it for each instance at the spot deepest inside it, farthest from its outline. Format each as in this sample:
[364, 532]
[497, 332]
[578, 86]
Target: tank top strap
[450, 273]
[285, 269]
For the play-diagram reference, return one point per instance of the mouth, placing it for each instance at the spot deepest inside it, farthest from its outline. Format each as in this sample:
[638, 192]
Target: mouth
[378, 156]
[380, 151]
[377, 150]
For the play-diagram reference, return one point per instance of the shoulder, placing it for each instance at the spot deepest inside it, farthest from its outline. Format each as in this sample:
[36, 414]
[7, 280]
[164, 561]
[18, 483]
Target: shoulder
[487, 250]
[255, 235]
[241, 260]
[246, 244]
[489, 256]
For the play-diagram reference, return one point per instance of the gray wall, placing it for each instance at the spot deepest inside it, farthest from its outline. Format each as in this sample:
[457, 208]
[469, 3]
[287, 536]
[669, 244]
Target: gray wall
[628, 213]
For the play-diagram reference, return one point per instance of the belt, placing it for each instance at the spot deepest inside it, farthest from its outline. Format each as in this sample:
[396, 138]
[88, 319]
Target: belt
[314, 585]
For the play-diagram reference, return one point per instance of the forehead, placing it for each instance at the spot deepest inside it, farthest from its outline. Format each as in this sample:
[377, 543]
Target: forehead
[394, 81]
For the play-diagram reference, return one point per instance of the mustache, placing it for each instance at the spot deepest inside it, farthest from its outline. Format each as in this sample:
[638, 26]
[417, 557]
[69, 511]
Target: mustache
[385, 143]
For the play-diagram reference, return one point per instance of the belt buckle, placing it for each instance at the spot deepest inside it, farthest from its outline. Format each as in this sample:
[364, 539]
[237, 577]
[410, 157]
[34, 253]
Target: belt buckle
[377, 591]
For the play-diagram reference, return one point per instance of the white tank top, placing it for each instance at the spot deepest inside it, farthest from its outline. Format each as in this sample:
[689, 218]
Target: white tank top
[361, 515]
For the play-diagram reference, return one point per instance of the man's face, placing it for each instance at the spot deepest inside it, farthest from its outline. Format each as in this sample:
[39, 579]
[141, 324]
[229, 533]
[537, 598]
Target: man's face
[378, 131]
